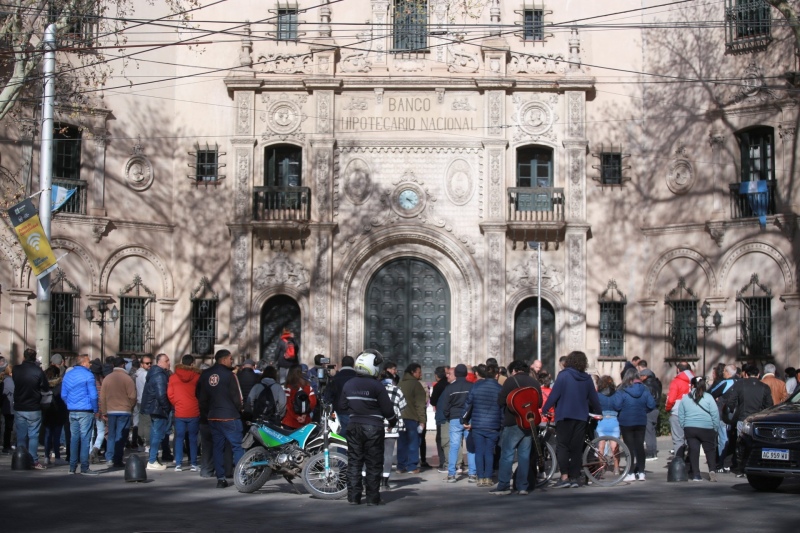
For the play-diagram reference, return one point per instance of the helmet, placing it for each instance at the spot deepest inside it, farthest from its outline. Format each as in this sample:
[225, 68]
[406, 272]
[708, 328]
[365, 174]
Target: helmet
[368, 363]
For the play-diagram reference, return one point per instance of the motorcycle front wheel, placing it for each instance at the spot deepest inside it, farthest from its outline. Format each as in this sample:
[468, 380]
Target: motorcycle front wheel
[326, 485]
[249, 478]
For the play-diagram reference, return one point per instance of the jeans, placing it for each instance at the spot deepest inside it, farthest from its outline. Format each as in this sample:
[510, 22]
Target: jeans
[485, 441]
[52, 440]
[343, 419]
[7, 428]
[28, 424]
[184, 426]
[439, 450]
[675, 429]
[100, 424]
[650, 442]
[388, 453]
[81, 436]
[513, 438]
[633, 437]
[457, 433]
[408, 446]
[118, 425]
[158, 429]
[223, 431]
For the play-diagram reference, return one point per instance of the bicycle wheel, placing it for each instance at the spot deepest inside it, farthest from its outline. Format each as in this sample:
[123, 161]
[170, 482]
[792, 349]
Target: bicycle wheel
[606, 461]
[550, 464]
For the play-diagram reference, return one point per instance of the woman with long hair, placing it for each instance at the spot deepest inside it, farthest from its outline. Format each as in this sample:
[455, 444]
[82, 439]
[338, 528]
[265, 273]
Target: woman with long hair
[294, 384]
[633, 401]
[609, 425]
[699, 418]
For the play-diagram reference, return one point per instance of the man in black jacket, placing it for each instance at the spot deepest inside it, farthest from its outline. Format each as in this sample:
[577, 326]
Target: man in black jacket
[333, 394]
[368, 403]
[455, 397]
[747, 396]
[221, 403]
[29, 384]
[438, 388]
[155, 403]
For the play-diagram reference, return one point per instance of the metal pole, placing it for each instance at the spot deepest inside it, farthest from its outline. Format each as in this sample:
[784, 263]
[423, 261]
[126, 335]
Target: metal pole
[45, 182]
[705, 329]
[539, 303]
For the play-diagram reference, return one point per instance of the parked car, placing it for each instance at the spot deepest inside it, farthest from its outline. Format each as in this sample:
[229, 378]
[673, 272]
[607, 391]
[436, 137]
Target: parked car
[770, 444]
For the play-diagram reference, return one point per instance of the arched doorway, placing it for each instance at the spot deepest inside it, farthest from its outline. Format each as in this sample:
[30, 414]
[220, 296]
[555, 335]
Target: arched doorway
[408, 315]
[279, 312]
[525, 333]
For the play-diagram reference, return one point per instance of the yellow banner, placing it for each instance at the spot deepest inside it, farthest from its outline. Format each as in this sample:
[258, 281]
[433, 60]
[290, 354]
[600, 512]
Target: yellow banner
[25, 219]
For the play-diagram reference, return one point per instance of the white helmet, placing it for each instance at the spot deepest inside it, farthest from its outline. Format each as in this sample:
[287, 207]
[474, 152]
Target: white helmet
[368, 363]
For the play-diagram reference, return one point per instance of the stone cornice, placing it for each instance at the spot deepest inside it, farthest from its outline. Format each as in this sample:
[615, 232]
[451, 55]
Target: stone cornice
[321, 84]
[493, 227]
[691, 227]
[409, 144]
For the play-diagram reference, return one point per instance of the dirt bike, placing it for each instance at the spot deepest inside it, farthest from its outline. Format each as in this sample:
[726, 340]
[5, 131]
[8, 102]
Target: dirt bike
[271, 449]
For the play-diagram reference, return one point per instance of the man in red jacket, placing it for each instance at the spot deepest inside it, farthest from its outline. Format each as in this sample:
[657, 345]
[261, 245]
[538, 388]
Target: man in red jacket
[181, 392]
[679, 387]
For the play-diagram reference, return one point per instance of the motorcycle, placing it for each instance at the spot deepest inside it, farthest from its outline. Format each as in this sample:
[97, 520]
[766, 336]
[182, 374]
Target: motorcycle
[313, 451]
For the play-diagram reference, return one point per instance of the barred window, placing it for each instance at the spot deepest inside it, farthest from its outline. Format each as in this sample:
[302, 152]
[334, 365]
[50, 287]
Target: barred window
[137, 322]
[754, 321]
[681, 323]
[748, 25]
[206, 164]
[612, 321]
[81, 23]
[204, 318]
[287, 24]
[410, 25]
[65, 304]
[611, 168]
[66, 152]
[533, 24]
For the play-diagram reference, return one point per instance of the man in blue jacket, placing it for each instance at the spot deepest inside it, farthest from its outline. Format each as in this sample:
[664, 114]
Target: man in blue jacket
[455, 397]
[156, 404]
[79, 392]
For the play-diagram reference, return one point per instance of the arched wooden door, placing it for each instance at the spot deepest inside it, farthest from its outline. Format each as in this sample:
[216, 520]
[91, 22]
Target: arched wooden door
[279, 312]
[408, 315]
[525, 333]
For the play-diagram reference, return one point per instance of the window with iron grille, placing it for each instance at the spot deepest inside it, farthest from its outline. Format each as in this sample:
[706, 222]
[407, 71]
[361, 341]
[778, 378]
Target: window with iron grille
[204, 318]
[612, 321]
[533, 24]
[65, 305]
[81, 25]
[754, 321]
[611, 168]
[207, 164]
[137, 324]
[287, 24]
[681, 322]
[66, 152]
[410, 25]
[758, 153]
[748, 25]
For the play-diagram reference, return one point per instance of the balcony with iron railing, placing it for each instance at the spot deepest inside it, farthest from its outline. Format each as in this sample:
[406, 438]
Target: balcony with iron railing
[536, 214]
[760, 202]
[76, 205]
[281, 214]
[748, 25]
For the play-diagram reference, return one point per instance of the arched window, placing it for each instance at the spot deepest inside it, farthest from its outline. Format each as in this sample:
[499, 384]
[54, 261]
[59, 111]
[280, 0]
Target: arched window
[758, 153]
[282, 165]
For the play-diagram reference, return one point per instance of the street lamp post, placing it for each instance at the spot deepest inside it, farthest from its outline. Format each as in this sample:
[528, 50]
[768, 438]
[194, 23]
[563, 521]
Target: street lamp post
[102, 307]
[705, 312]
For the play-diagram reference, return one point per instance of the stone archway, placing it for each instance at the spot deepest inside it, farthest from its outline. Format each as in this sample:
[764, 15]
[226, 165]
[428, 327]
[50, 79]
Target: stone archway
[526, 333]
[278, 313]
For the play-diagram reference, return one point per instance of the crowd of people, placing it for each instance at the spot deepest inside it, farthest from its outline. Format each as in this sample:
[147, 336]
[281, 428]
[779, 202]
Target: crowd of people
[194, 418]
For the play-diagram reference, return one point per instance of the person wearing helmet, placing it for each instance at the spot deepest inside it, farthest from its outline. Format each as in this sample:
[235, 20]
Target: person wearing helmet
[368, 403]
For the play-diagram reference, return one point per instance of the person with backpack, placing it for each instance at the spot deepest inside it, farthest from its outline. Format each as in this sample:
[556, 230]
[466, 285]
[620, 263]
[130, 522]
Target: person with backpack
[288, 354]
[267, 400]
[699, 418]
[653, 385]
[300, 399]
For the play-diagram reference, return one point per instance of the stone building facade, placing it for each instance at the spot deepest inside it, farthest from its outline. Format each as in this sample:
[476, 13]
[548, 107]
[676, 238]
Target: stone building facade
[375, 173]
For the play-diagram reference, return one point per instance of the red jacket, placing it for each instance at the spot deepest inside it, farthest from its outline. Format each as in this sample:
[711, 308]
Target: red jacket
[679, 387]
[181, 391]
[291, 419]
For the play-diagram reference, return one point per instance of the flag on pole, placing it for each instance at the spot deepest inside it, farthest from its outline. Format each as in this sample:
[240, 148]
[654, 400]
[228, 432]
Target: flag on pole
[28, 228]
[59, 196]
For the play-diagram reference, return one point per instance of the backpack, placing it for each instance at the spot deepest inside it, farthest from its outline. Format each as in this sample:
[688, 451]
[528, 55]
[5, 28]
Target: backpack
[290, 354]
[264, 405]
[301, 405]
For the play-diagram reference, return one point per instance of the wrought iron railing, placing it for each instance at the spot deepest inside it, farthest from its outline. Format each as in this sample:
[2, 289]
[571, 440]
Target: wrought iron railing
[748, 25]
[535, 204]
[77, 203]
[752, 204]
[281, 203]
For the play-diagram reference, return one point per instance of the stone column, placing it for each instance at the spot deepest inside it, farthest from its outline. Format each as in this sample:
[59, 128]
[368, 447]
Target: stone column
[787, 133]
[167, 340]
[321, 289]
[97, 185]
[241, 254]
[494, 230]
[18, 325]
[720, 185]
[648, 331]
[576, 285]
[380, 35]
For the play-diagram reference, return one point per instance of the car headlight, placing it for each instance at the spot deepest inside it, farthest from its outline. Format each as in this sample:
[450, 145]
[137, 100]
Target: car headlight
[747, 427]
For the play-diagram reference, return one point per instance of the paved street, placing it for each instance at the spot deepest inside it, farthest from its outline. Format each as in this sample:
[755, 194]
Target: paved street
[182, 501]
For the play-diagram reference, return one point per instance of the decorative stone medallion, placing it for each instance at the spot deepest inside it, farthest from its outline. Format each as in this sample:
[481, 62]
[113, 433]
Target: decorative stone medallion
[284, 116]
[459, 184]
[358, 181]
[535, 118]
[138, 170]
[680, 177]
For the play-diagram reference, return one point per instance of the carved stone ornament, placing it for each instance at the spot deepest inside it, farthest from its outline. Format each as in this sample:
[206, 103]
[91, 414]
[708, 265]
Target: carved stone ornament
[100, 227]
[754, 86]
[281, 271]
[283, 116]
[408, 65]
[680, 176]
[138, 170]
[461, 60]
[356, 104]
[535, 118]
[525, 275]
[462, 104]
[358, 181]
[552, 63]
[355, 62]
[459, 183]
[287, 64]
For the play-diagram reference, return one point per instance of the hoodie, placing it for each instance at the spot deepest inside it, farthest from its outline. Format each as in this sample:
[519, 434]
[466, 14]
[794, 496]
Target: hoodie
[182, 391]
[633, 404]
[278, 394]
[679, 388]
[573, 396]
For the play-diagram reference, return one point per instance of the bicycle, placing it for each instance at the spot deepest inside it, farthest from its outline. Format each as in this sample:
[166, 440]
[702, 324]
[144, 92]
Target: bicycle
[605, 460]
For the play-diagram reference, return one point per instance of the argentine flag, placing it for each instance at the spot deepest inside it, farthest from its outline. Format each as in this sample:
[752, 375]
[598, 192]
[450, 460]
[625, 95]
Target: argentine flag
[59, 196]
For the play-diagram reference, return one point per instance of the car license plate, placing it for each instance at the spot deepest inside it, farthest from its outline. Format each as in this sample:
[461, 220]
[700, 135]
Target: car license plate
[775, 454]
